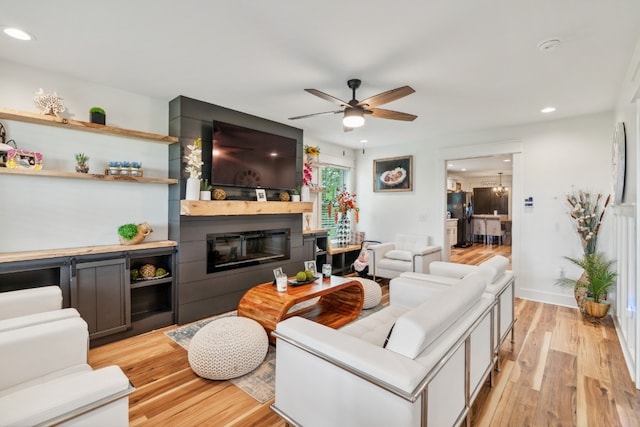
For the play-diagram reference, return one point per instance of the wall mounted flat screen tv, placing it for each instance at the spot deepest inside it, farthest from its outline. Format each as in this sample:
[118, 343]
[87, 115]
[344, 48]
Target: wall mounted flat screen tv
[243, 157]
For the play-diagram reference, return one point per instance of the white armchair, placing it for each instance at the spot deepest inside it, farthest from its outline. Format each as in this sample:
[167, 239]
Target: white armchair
[407, 252]
[45, 379]
[32, 306]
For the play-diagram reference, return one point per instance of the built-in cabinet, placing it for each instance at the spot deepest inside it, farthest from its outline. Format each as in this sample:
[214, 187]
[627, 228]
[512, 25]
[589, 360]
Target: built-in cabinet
[100, 292]
[97, 282]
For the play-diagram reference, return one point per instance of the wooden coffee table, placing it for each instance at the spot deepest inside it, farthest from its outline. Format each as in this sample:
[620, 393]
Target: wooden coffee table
[340, 302]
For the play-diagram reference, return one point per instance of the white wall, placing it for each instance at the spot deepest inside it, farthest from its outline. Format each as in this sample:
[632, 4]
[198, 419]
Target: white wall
[45, 212]
[556, 155]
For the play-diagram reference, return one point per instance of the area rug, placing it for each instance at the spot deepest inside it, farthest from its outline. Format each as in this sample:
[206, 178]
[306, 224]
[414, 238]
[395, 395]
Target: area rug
[259, 383]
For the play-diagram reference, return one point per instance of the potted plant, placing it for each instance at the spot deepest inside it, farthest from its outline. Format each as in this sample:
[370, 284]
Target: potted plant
[81, 163]
[205, 190]
[598, 277]
[132, 234]
[125, 168]
[587, 212]
[97, 115]
[295, 195]
[114, 168]
[136, 169]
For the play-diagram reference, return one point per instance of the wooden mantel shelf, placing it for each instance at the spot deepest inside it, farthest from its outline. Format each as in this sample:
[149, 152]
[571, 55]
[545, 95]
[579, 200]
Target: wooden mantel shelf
[84, 250]
[240, 207]
[42, 119]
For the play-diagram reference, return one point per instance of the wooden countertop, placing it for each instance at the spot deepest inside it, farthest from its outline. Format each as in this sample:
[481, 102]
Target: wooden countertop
[316, 231]
[340, 250]
[83, 250]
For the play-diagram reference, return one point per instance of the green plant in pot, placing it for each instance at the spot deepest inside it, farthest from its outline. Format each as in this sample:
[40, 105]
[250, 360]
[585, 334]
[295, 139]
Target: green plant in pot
[132, 234]
[295, 195]
[598, 277]
[590, 290]
[81, 163]
[97, 115]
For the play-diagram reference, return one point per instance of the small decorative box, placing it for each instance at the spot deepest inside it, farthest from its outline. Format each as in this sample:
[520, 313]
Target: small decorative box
[24, 159]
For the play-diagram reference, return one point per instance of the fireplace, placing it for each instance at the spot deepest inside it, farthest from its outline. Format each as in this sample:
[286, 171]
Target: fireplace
[227, 251]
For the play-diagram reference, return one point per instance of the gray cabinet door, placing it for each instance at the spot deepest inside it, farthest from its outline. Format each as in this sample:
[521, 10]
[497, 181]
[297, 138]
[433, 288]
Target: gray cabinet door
[100, 292]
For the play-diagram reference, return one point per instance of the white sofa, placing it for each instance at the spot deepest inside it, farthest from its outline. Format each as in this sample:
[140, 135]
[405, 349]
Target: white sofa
[438, 354]
[500, 284]
[45, 379]
[408, 252]
[32, 306]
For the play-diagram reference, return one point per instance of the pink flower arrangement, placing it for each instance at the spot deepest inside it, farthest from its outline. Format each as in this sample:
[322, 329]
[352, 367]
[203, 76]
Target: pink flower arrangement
[307, 174]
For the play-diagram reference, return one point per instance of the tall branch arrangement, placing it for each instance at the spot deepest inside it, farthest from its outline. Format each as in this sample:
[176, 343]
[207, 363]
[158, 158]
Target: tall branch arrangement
[194, 159]
[587, 210]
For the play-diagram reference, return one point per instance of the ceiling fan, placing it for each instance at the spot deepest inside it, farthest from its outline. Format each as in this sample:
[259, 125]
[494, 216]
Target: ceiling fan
[354, 110]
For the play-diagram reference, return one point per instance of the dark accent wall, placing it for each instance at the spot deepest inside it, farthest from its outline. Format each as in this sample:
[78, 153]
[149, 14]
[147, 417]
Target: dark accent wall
[200, 294]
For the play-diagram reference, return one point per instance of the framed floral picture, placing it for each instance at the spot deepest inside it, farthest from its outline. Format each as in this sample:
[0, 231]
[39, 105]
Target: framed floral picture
[393, 174]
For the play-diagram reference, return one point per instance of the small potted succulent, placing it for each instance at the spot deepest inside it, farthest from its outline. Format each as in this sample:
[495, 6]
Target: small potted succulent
[97, 115]
[295, 195]
[114, 168]
[136, 169]
[205, 190]
[125, 168]
[81, 163]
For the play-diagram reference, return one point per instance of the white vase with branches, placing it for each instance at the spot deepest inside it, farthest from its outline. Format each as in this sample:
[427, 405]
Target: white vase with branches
[194, 169]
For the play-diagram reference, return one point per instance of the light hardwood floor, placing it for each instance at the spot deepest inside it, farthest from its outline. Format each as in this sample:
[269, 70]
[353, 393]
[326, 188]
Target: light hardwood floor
[562, 370]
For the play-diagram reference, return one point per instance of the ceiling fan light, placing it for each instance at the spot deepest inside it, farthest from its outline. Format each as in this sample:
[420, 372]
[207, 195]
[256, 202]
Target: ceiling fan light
[353, 118]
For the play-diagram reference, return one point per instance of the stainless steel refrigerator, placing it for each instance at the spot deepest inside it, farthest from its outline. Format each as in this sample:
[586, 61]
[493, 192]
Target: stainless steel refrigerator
[460, 205]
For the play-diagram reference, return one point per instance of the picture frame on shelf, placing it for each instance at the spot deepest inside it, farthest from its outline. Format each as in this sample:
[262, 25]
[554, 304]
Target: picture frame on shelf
[311, 266]
[261, 195]
[393, 174]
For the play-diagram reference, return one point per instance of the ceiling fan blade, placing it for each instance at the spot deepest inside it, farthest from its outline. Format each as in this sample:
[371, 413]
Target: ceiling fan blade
[390, 114]
[388, 96]
[316, 114]
[328, 97]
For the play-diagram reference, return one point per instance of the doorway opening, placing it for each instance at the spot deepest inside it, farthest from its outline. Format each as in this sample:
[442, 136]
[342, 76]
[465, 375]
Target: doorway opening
[479, 208]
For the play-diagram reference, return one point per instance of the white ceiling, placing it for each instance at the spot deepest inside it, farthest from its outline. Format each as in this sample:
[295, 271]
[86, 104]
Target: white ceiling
[474, 64]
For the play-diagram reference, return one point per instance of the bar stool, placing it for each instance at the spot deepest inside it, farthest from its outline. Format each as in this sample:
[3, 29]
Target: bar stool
[479, 228]
[494, 229]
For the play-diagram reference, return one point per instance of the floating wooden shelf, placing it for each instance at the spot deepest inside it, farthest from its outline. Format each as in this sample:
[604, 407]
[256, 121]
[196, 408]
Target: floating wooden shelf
[240, 207]
[84, 250]
[42, 119]
[76, 175]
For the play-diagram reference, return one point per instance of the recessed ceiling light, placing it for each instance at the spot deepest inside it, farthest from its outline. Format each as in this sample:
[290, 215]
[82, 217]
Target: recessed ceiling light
[363, 140]
[506, 160]
[548, 110]
[17, 33]
[463, 169]
[450, 165]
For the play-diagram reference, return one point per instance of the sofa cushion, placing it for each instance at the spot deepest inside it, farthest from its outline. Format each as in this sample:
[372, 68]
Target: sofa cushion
[493, 268]
[411, 242]
[416, 329]
[375, 327]
[399, 254]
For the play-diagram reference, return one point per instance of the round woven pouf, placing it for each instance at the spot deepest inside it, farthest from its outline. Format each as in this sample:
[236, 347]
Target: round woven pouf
[372, 292]
[227, 348]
